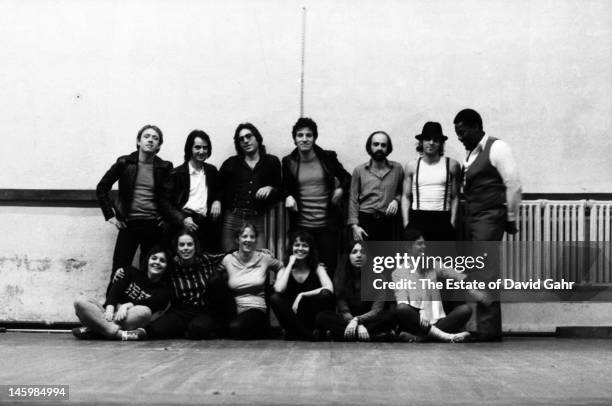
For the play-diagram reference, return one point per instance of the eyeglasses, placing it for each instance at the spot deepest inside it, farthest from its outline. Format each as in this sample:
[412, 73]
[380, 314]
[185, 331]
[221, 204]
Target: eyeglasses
[245, 137]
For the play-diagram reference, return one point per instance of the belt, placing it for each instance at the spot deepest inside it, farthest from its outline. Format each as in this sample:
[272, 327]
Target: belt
[376, 216]
[245, 212]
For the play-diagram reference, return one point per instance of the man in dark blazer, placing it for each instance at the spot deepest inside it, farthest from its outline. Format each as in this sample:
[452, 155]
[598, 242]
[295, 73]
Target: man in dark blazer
[193, 192]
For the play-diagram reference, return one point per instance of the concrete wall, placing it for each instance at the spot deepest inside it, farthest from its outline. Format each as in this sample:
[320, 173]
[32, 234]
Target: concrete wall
[79, 78]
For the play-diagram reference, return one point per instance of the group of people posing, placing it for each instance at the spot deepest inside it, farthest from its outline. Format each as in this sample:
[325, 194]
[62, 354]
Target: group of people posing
[205, 272]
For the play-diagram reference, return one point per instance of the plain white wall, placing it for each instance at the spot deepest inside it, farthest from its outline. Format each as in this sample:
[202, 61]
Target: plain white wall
[79, 78]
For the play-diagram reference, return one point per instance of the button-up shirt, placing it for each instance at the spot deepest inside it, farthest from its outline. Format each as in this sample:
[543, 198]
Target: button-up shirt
[372, 191]
[240, 182]
[198, 192]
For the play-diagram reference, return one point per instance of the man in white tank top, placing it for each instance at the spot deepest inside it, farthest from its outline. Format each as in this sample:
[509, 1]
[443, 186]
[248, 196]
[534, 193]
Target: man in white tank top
[431, 183]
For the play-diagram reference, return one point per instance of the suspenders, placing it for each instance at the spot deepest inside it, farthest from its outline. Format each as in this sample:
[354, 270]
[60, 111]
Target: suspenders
[446, 183]
[416, 184]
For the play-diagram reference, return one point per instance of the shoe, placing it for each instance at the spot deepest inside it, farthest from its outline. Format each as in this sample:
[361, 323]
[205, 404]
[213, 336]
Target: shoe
[84, 333]
[132, 335]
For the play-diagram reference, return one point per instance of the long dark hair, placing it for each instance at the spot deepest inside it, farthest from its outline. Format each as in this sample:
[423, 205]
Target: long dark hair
[344, 278]
[182, 232]
[312, 260]
[191, 140]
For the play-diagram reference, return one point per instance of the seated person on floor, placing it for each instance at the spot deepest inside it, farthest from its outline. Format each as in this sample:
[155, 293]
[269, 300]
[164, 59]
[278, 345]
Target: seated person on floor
[197, 305]
[419, 310]
[302, 289]
[134, 297]
[247, 271]
[356, 319]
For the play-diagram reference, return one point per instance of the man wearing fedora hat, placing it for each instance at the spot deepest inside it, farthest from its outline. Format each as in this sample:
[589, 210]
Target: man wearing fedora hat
[376, 188]
[429, 201]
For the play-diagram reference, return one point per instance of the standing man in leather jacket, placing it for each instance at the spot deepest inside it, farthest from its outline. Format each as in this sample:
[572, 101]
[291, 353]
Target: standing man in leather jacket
[138, 211]
[314, 185]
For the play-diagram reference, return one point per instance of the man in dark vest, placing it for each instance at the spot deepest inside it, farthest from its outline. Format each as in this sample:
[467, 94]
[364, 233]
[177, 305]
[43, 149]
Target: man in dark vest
[492, 192]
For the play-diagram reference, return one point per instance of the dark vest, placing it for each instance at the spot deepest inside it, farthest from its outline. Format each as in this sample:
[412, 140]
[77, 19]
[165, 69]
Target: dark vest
[484, 188]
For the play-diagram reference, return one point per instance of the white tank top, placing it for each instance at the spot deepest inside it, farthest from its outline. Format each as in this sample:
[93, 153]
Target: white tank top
[433, 182]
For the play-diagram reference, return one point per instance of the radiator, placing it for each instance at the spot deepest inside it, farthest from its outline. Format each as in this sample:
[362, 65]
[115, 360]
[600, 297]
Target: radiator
[560, 239]
[556, 239]
[601, 235]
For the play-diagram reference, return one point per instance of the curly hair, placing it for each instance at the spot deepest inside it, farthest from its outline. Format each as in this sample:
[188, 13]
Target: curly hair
[312, 260]
[305, 122]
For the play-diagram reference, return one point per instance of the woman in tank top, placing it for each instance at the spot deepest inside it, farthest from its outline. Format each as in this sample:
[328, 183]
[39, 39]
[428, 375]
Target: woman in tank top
[302, 289]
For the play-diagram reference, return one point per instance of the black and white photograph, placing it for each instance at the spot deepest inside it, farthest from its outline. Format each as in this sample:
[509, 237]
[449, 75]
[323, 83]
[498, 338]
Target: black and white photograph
[314, 202]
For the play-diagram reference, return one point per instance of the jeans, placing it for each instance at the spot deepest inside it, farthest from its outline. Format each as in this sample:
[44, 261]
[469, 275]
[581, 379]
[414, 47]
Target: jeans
[91, 315]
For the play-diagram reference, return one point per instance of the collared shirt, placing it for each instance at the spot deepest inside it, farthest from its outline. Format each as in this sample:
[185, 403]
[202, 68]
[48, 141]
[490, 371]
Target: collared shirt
[371, 192]
[502, 159]
[198, 192]
[241, 182]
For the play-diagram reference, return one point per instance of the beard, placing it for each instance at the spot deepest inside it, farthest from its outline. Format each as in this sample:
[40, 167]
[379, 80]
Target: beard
[379, 156]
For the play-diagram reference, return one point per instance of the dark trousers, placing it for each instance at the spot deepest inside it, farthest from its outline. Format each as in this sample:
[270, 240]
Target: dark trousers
[409, 318]
[435, 225]
[488, 225]
[251, 324]
[208, 233]
[336, 324]
[300, 325]
[326, 243]
[380, 227]
[143, 233]
[195, 323]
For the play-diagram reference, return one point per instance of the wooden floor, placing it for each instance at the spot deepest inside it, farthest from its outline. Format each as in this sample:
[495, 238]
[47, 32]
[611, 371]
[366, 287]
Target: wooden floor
[517, 371]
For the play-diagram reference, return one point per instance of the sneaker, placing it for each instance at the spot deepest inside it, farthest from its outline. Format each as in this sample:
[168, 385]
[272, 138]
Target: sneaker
[84, 333]
[132, 335]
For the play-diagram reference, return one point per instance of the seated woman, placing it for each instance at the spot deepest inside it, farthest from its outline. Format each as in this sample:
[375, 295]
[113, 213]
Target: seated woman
[302, 289]
[419, 310]
[194, 311]
[247, 271]
[357, 319]
[131, 301]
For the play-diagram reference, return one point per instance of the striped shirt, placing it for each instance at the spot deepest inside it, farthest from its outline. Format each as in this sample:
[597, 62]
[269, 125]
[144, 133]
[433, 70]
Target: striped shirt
[190, 281]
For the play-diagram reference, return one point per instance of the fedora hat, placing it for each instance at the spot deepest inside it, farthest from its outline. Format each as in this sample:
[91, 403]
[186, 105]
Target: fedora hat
[431, 130]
